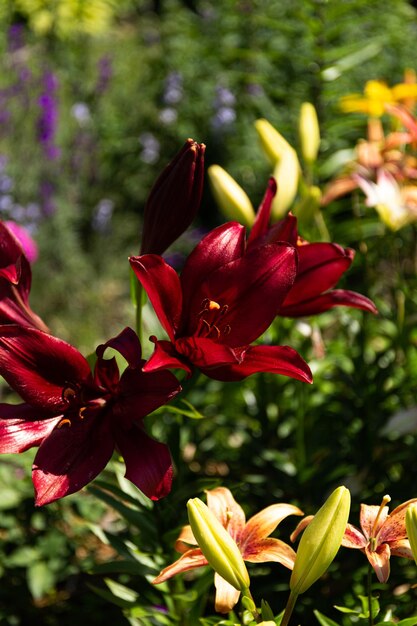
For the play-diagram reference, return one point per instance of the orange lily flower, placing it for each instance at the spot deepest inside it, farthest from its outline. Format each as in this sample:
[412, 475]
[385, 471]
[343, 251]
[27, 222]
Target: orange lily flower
[252, 538]
[382, 535]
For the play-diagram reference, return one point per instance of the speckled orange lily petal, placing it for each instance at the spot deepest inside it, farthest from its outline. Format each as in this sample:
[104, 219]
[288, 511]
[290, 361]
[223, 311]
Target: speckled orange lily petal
[189, 560]
[379, 559]
[226, 595]
[230, 514]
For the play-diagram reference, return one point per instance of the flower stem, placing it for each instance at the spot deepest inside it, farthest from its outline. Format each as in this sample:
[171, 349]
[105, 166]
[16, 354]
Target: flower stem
[369, 588]
[251, 606]
[289, 608]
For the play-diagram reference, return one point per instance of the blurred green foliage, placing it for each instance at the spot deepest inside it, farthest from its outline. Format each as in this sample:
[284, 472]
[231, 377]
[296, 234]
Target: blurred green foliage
[127, 95]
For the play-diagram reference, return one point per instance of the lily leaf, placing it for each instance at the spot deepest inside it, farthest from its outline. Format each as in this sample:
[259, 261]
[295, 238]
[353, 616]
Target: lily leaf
[323, 620]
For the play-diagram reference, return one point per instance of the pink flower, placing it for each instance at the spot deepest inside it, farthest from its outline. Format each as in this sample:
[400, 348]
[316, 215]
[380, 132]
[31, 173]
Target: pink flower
[15, 282]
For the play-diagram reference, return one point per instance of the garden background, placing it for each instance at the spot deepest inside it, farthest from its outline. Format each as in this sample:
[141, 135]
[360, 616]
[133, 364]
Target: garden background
[95, 98]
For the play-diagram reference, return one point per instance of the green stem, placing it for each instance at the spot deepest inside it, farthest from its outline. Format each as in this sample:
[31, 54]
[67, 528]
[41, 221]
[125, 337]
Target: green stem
[321, 225]
[251, 606]
[369, 588]
[289, 608]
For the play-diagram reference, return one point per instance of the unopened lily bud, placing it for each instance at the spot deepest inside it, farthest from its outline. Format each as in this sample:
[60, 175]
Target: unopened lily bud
[320, 541]
[218, 547]
[232, 200]
[273, 143]
[174, 199]
[286, 173]
[309, 132]
[411, 526]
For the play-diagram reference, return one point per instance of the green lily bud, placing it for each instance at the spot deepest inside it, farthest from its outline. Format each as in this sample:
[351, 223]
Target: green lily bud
[220, 550]
[309, 132]
[286, 173]
[411, 526]
[309, 205]
[232, 200]
[320, 541]
[273, 143]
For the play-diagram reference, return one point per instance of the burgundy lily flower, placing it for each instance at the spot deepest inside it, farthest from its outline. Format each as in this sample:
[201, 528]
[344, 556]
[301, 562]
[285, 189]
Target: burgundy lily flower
[78, 418]
[382, 535]
[224, 300]
[174, 199]
[320, 266]
[252, 538]
[15, 283]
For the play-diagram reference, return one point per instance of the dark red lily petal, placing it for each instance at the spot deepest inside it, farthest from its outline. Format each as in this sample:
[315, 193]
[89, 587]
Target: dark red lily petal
[284, 230]
[166, 357]
[11, 253]
[273, 359]
[128, 344]
[148, 462]
[320, 266]
[222, 245]
[141, 393]
[250, 291]
[70, 458]
[162, 285]
[22, 427]
[174, 199]
[39, 366]
[14, 307]
[263, 214]
[204, 353]
[326, 301]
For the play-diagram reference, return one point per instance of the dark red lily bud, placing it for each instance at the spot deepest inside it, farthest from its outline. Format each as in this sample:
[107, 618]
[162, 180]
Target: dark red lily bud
[174, 199]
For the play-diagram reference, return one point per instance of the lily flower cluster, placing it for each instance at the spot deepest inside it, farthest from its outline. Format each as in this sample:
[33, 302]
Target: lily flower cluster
[229, 292]
[219, 535]
[385, 165]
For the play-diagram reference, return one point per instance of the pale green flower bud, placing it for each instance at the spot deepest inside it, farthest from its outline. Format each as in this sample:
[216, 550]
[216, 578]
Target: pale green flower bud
[411, 525]
[232, 200]
[220, 550]
[286, 173]
[273, 143]
[309, 132]
[320, 541]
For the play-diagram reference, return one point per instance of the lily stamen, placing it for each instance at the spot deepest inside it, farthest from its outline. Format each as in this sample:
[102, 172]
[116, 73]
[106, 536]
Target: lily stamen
[65, 420]
[384, 502]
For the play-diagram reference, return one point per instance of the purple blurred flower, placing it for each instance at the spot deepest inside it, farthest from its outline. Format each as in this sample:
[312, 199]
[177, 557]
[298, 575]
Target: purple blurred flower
[15, 39]
[168, 115]
[173, 90]
[225, 113]
[150, 148]
[46, 192]
[102, 215]
[80, 111]
[105, 74]
[48, 119]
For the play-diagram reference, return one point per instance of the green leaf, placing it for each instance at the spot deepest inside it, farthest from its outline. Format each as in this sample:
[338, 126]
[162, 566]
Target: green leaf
[374, 609]
[323, 620]
[266, 611]
[40, 579]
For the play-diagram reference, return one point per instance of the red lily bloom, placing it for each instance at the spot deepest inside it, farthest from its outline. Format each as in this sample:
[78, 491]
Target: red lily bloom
[15, 282]
[76, 418]
[224, 300]
[320, 266]
[174, 199]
